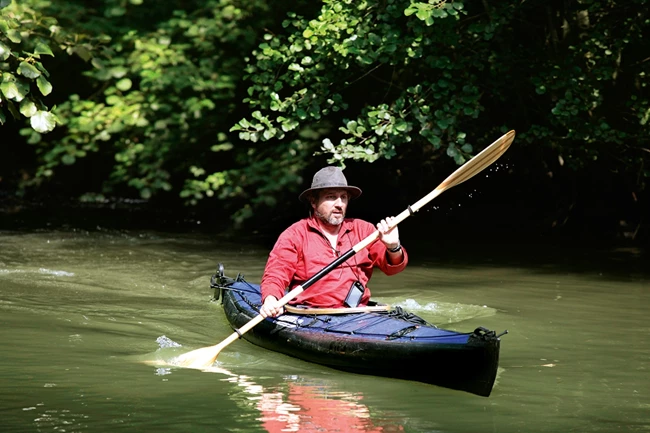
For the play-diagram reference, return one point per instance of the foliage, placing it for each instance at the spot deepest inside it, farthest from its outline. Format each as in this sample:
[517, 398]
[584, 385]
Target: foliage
[159, 97]
[590, 102]
[405, 82]
[424, 76]
[26, 36]
[366, 60]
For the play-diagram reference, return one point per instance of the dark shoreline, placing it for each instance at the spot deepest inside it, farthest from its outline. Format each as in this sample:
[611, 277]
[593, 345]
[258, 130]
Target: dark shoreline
[474, 237]
[481, 222]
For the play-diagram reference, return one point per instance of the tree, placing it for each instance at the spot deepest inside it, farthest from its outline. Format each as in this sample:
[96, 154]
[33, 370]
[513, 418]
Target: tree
[397, 83]
[416, 80]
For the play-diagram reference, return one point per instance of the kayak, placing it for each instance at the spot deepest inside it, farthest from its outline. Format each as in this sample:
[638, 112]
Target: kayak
[388, 342]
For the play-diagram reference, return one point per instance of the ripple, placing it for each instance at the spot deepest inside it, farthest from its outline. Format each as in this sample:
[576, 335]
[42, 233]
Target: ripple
[444, 312]
[40, 271]
[165, 342]
[56, 273]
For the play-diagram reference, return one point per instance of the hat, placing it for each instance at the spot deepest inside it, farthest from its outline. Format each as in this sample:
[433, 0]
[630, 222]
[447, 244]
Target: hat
[329, 177]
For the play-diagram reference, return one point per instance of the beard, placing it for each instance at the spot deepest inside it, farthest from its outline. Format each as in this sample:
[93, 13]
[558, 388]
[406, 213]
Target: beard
[331, 219]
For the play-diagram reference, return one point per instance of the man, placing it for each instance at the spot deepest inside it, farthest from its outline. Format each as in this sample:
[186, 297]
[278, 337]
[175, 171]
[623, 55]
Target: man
[312, 243]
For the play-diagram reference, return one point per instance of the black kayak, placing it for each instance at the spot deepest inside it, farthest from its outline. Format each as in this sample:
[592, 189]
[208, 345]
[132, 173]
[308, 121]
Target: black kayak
[391, 343]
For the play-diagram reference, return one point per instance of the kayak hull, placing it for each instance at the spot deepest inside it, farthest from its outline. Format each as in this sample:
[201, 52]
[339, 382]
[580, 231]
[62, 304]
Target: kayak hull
[392, 344]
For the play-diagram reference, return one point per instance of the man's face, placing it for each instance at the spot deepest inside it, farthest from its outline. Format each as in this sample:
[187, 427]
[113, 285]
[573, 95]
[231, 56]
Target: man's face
[330, 205]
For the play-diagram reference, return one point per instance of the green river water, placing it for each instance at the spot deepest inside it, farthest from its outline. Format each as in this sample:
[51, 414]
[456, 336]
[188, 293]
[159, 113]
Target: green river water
[80, 311]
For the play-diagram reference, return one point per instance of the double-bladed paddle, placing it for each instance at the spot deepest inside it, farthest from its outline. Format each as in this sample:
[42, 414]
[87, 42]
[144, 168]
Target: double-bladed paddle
[205, 357]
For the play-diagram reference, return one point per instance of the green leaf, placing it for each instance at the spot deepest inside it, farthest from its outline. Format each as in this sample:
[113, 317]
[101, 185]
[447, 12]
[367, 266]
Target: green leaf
[43, 121]
[116, 11]
[423, 14]
[34, 138]
[222, 147]
[5, 52]
[28, 108]
[439, 13]
[14, 90]
[14, 36]
[68, 159]
[410, 10]
[4, 3]
[28, 70]
[97, 63]
[401, 125]
[43, 85]
[328, 145]
[12, 110]
[43, 48]
[289, 125]
[82, 52]
[124, 84]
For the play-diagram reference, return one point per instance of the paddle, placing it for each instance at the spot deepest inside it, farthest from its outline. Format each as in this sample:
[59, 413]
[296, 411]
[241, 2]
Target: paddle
[205, 357]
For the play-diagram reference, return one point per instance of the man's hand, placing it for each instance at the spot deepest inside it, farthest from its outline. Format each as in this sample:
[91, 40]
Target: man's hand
[271, 307]
[390, 237]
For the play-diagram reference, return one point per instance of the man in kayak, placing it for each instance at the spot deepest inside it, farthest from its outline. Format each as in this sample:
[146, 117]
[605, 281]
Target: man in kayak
[309, 245]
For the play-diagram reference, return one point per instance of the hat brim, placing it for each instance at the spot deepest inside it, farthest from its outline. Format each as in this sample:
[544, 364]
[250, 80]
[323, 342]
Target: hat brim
[352, 190]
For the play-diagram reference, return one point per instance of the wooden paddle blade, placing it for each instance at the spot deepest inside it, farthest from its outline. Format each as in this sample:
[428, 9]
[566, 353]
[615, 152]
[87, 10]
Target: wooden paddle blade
[479, 162]
[199, 358]
[206, 356]
[468, 170]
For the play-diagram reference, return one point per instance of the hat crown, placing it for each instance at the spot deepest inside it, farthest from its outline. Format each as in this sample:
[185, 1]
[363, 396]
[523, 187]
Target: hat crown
[329, 177]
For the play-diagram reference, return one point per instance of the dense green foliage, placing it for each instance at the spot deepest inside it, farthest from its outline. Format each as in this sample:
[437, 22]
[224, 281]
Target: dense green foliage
[26, 36]
[424, 77]
[239, 100]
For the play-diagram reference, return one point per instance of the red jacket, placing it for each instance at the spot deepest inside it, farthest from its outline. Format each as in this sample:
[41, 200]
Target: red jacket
[302, 250]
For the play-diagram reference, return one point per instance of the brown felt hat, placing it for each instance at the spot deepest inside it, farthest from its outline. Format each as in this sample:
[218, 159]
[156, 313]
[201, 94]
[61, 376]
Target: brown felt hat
[329, 177]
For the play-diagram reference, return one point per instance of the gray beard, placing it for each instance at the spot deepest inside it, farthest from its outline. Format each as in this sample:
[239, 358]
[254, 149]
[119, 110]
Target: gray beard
[331, 220]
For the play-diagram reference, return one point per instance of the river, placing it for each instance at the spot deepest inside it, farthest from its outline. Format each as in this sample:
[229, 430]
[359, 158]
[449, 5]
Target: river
[81, 310]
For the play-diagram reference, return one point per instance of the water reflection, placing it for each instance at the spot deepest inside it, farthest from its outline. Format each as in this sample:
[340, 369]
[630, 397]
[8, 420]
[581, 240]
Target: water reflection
[295, 405]
[304, 406]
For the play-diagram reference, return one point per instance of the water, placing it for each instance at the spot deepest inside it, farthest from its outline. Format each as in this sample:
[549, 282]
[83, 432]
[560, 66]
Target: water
[81, 311]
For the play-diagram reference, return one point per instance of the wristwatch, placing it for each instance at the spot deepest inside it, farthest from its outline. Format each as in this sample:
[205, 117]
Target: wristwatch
[397, 249]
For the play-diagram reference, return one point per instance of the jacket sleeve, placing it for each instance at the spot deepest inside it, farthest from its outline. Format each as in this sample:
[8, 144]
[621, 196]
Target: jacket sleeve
[280, 266]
